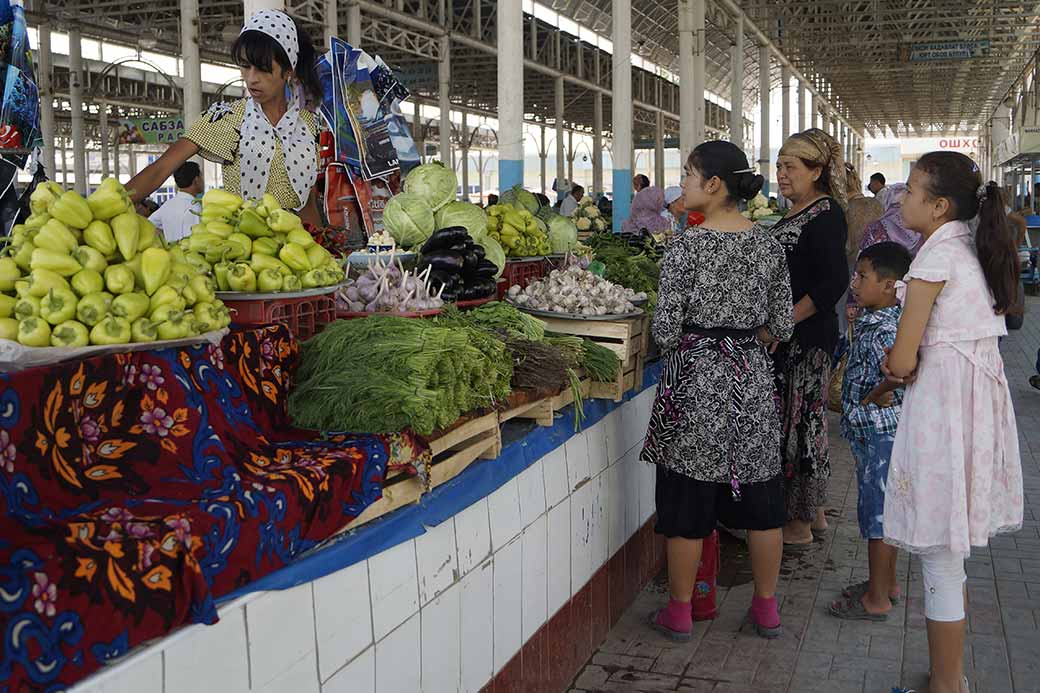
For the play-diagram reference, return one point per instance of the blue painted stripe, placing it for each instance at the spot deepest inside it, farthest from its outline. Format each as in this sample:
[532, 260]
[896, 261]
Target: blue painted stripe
[510, 173]
[622, 196]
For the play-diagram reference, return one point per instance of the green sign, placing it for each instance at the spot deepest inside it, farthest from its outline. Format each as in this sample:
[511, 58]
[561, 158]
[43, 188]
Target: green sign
[150, 130]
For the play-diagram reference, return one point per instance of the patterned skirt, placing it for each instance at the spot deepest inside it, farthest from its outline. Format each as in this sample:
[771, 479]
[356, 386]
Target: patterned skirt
[715, 417]
[802, 376]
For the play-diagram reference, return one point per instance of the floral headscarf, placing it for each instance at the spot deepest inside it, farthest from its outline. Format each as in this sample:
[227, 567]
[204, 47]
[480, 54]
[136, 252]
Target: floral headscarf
[820, 149]
[646, 212]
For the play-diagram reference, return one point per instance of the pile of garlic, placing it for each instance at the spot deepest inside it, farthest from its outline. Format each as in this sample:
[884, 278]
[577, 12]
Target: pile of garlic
[578, 292]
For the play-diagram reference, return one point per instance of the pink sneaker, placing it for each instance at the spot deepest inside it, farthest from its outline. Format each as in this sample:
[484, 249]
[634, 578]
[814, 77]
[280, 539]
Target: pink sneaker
[763, 615]
[675, 621]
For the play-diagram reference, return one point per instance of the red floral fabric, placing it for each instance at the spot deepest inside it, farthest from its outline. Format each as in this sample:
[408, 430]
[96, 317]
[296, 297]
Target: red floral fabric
[137, 488]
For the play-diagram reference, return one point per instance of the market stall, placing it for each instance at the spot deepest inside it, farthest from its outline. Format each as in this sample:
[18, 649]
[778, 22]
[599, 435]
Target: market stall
[188, 426]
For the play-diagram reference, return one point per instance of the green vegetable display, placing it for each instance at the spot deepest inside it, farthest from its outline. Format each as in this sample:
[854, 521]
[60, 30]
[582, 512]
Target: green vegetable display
[384, 374]
[408, 217]
[433, 183]
[464, 214]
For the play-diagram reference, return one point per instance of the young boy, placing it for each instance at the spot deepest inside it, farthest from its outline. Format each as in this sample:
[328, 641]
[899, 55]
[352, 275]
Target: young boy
[870, 416]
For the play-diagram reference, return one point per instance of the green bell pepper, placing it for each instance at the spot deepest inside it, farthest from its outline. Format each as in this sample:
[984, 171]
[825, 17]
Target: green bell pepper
[87, 281]
[9, 329]
[55, 236]
[27, 307]
[98, 235]
[70, 334]
[131, 306]
[34, 332]
[9, 273]
[143, 330]
[111, 330]
[241, 277]
[119, 279]
[155, 268]
[269, 281]
[127, 231]
[41, 281]
[62, 263]
[72, 210]
[90, 258]
[293, 255]
[92, 308]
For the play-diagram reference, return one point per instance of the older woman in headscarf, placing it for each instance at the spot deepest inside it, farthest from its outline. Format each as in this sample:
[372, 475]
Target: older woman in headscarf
[888, 228]
[811, 174]
[646, 212]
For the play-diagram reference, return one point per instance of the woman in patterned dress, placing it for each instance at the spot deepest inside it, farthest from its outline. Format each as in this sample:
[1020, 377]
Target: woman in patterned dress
[714, 431]
[266, 142]
[811, 174]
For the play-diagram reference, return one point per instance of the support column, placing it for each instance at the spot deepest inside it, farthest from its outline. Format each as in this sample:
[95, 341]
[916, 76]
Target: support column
[736, 84]
[699, 74]
[46, 100]
[64, 164]
[687, 103]
[561, 159]
[465, 158]
[103, 136]
[354, 24]
[597, 141]
[543, 154]
[803, 106]
[419, 132]
[764, 71]
[444, 99]
[192, 63]
[331, 21]
[659, 151]
[79, 153]
[480, 174]
[115, 158]
[510, 93]
[570, 156]
[621, 104]
[785, 106]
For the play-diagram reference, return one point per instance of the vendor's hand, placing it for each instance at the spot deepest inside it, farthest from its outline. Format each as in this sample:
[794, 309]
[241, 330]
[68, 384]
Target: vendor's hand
[766, 339]
[883, 400]
[888, 374]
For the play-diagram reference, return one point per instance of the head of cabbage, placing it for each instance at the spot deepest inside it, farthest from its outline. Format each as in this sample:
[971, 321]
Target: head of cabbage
[563, 235]
[464, 214]
[493, 252]
[409, 219]
[521, 199]
[433, 182]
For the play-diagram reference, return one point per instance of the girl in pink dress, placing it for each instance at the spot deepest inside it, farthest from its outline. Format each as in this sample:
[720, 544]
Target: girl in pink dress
[955, 478]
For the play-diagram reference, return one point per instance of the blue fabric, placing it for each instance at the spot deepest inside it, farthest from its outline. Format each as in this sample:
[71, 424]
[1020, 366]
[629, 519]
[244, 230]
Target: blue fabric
[872, 454]
[872, 334]
[622, 178]
[480, 480]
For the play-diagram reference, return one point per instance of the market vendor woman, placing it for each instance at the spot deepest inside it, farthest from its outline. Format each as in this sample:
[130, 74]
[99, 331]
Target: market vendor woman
[267, 142]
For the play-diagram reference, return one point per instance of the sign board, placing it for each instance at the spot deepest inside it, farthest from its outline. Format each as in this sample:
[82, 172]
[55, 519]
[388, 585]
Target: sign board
[418, 76]
[150, 130]
[948, 50]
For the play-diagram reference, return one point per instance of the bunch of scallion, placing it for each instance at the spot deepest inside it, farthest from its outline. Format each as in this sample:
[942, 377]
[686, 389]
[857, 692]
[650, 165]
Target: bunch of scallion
[384, 374]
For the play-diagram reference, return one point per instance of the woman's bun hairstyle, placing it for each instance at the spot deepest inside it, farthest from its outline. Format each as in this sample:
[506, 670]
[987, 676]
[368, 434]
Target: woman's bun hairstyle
[728, 162]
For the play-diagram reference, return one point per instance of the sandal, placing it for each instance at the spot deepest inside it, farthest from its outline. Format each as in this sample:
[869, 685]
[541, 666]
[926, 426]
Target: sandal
[674, 635]
[857, 590]
[853, 610]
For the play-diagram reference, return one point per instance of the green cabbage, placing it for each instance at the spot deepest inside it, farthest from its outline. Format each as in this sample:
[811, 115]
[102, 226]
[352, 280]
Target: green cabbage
[409, 219]
[433, 182]
[563, 234]
[464, 214]
[493, 252]
[520, 198]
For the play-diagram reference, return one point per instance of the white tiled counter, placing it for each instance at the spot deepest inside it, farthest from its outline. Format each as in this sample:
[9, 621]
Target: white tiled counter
[447, 611]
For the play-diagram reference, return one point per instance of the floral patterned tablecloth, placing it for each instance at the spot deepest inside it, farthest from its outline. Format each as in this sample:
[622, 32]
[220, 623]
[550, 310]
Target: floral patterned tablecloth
[137, 488]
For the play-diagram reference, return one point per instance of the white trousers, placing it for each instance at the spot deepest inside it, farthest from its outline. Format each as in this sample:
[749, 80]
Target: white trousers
[944, 580]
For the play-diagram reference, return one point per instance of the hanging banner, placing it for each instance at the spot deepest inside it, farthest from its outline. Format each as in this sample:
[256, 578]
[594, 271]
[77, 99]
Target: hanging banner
[150, 130]
[948, 50]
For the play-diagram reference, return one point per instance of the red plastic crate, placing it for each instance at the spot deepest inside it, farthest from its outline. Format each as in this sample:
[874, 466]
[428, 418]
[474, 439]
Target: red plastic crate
[304, 316]
[522, 273]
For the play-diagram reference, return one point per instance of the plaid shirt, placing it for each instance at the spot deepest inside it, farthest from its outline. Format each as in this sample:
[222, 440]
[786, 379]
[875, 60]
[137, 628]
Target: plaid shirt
[872, 334]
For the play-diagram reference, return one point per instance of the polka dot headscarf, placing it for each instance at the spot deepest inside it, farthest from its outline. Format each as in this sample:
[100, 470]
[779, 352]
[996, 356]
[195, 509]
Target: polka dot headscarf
[278, 26]
[258, 134]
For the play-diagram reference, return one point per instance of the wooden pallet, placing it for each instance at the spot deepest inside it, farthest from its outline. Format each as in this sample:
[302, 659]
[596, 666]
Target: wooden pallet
[629, 377]
[629, 339]
[543, 409]
[626, 338]
[459, 446]
[398, 492]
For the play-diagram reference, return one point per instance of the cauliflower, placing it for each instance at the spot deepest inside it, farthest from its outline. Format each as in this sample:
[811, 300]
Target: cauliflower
[583, 224]
[592, 211]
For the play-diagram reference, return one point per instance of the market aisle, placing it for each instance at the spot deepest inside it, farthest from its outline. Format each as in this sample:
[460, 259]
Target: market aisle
[820, 653]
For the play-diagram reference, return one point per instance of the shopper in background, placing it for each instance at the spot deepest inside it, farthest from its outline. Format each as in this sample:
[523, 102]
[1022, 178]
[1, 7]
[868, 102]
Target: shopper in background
[178, 214]
[640, 182]
[811, 174]
[492, 200]
[888, 228]
[646, 212]
[862, 210]
[266, 142]
[876, 184]
[675, 208]
[714, 432]
[955, 477]
[570, 202]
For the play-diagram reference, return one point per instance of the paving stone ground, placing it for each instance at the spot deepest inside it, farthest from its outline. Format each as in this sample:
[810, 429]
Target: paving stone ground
[820, 653]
